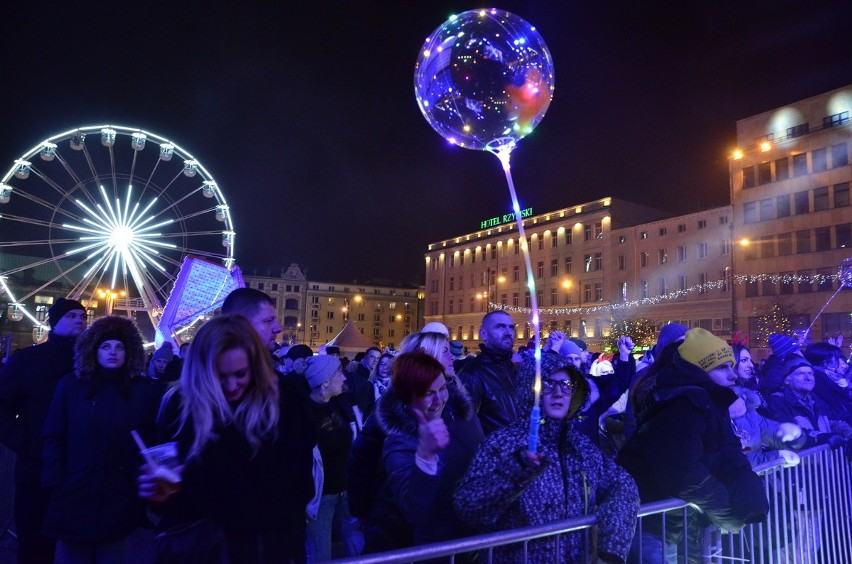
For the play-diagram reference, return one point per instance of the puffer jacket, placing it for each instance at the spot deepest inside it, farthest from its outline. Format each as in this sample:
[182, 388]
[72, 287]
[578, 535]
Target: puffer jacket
[424, 502]
[490, 379]
[503, 490]
[90, 459]
[685, 448]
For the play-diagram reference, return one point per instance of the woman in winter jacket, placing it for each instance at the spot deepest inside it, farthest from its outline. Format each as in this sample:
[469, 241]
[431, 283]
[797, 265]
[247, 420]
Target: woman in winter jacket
[508, 487]
[431, 437]
[685, 448]
[90, 459]
[763, 440]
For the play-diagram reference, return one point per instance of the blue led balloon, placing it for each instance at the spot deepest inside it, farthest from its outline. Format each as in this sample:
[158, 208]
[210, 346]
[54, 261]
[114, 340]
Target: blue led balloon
[484, 79]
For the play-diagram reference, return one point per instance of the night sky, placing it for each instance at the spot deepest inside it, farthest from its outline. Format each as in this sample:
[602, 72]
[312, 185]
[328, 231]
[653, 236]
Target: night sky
[306, 115]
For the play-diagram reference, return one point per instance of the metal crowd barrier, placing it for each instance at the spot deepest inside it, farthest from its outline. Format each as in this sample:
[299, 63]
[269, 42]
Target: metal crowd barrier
[810, 521]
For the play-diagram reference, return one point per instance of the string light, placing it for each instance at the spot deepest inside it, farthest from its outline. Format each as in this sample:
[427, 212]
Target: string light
[716, 284]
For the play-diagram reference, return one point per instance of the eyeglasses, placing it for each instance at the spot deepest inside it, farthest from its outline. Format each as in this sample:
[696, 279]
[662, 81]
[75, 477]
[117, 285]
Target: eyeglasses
[549, 386]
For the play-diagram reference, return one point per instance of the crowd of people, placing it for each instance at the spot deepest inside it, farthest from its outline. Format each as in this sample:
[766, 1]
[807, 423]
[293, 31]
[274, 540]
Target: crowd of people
[278, 451]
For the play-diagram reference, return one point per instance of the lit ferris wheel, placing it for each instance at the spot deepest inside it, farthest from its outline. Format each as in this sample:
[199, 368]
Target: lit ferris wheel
[107, 212]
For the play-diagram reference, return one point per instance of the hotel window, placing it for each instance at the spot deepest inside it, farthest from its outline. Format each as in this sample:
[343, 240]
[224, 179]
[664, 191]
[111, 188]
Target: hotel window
[598, 230]
[504, 299]
[568, 265]
[767, 246]
[540, 242]
[598, 291]
[681, 227]
[702, 250]
[786, 284]
[451, 307]
[702, 280]
[819, 160]
[662, 287]
[843, 235]
[839, 155]
[541, 269]
[622, 239]
[663, 231]
[800, 202]
[798, 130]
[644, 286]
[768, 288]
[821, 198]
[825, 282]
[751, 289]
[702, 223]
[681, 254]
[554, 297]
[723, 220]
[681, 281]
[527, 299]
[452, 283]
[805, 287]
[587, 292]
[329, 315]
[822, 238]
[782, 169]
[643, 259]
[764, 173]
[622, 262]
[643, 235]
[569, 236]
[782, 206]
[841, 195]
[748, 177]
[750, 251]
[623, 291]
[587, 263]
[750, 212]
[554, 240]
[554, 267]
[517, 247]
[663, 256]
[493, 253]
[598, 261]
[785, 244]
[461, 259]
[587, 232]
[803, 241]
[766, 211]
[835, 119]
[516, 274]
[800, 164]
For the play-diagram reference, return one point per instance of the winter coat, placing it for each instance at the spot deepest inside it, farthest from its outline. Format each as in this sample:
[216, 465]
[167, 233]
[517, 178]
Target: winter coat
[838, 400]
[243, 491]
[503, 490]
[423, 501]
[609, 388]
[365, 471]
[684, 447]
[90, 459]
[757, 434]
[27, 384]
[490, 379]
[809, 413]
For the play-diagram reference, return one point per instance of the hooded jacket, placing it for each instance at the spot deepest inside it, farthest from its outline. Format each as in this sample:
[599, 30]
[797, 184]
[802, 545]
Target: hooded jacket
[503, 490]
[90, 460]
[423, 501]
[490, 379]
[684, 447]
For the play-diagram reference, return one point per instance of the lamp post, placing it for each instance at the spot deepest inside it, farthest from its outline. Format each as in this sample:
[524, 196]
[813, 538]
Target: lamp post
[110, 297]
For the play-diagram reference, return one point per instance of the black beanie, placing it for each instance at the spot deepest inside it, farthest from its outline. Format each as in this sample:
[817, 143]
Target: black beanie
[59, 308]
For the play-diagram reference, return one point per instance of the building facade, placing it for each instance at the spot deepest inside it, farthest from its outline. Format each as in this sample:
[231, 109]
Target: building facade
[314, 312]
[790, 178]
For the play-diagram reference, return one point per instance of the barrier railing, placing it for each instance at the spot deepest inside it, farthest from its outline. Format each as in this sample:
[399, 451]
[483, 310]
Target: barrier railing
[810, 521]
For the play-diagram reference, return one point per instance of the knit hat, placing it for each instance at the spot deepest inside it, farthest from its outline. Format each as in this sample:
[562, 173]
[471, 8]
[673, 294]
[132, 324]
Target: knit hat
[111, 335]
[165, 351]
[59, 308]
[456, 348]
[668, 335]
[705, 350]
[299, 351]
[601, 368]
[580, 343]
[791, 364]
[570, 347]
[782, 345]
[320, 369]
[435, 327]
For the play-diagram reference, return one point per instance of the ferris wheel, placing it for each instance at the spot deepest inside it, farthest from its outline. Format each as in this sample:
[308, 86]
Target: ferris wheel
[106, 214]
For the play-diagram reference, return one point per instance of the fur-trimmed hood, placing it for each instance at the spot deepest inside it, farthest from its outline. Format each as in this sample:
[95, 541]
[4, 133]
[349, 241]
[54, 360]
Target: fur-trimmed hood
[550, 363]
[85, 351]
[395, 417]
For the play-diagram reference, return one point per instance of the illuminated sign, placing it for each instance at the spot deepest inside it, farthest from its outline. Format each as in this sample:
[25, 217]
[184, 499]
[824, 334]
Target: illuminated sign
[505, 218]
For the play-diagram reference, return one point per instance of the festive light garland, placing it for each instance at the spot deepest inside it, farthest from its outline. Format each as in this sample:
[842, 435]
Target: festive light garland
[716, 284]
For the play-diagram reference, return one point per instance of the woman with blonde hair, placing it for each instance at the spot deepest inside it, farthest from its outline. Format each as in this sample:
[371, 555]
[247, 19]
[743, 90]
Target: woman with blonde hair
[242, 455]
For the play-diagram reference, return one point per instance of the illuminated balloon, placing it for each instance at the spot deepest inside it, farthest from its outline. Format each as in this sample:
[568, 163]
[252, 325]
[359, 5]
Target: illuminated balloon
[484, 79]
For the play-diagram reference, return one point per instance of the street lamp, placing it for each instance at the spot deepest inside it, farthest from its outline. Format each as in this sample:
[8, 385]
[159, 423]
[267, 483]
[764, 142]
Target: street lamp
[110, 297]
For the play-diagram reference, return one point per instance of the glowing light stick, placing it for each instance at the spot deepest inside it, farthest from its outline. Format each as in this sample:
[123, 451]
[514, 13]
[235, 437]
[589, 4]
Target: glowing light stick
[483, 80]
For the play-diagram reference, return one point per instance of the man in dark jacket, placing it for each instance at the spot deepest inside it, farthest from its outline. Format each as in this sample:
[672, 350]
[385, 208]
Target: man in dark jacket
[490, 378]
[684, 447]
[27, 384]
[358, 382]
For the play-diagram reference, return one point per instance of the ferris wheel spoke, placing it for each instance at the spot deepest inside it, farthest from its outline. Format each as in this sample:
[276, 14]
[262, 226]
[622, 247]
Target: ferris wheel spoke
[78, 182]
[66, 195]
[45, 204]
[30, 221]
[37, 242]
[52, 280]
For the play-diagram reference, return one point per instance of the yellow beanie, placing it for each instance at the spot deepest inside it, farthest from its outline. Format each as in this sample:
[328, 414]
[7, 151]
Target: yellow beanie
[705, 350]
